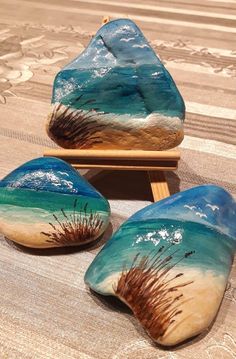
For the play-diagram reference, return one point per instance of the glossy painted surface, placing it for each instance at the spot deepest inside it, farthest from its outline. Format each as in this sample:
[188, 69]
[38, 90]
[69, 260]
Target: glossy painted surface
[46, 203]
[49, 175]
[119, 70]
[193, 234]
[120, 79]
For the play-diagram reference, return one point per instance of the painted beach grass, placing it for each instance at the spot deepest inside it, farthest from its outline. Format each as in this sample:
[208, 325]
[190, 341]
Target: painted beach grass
[148, 236]
[79, 227]
[51, 219]
[118, 79]
[171, 272]
[69, 126]
[46, 203]
[148, 284]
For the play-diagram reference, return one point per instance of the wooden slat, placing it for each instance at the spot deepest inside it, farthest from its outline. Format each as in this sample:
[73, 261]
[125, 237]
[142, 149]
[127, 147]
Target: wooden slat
[119, 160]
[159, 185]
[135, 167]
[173, 155]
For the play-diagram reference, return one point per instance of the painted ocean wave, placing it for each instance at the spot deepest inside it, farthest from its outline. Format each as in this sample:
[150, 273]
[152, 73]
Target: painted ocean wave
[213, 251]
[114, 89]
[48, 201]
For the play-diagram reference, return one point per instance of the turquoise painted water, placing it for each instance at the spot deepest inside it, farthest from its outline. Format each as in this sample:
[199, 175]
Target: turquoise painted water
[133, 90]
[121, 74]
[49, 201]
[213, 251]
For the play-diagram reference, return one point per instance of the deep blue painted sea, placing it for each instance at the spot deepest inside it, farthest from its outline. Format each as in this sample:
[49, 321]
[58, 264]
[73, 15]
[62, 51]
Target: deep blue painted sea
[134, 90]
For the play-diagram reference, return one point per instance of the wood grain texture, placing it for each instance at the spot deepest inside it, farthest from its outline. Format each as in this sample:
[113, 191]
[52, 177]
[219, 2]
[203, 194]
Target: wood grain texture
[114, 154]
[127, 165]
[45, 309]
[159, 186]
[118, 159]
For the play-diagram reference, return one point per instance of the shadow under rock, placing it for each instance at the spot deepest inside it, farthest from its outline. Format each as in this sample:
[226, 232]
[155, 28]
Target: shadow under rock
[123, 185]
[130, 185]
[55, 251]
[112, 303]
[109, 303]
[173, 181]
[115, 222]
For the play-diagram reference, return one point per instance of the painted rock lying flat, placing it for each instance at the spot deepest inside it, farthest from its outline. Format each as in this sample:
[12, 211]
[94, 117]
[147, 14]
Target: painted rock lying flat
[46, 203]
[170, 262]
[117, 94]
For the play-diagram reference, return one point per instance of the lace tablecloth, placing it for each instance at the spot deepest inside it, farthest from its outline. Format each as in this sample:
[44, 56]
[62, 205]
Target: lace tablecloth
[45, 309]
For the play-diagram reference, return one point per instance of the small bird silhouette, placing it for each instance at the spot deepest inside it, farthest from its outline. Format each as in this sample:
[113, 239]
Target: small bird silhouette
[189, 207]
[201, 215]
[213, 207]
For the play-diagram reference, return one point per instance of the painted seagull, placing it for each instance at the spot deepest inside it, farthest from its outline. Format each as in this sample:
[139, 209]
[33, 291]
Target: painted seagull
[190, 207]
[213, 207]
[201, 215]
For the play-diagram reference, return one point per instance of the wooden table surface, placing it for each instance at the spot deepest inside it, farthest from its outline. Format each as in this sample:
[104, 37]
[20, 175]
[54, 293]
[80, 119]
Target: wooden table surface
[45, 309]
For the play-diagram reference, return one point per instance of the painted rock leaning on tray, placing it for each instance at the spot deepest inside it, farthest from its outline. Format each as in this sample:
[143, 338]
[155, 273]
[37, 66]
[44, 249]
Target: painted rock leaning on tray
[170, 262]
[46, 203]
[116, 95]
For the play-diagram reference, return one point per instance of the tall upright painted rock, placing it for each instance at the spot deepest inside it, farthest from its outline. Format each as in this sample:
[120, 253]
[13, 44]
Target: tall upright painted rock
[170, 262]
[46, 203]
[117, 94]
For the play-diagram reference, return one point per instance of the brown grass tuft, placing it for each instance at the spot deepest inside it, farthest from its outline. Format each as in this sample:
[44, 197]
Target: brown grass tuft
[77, 228]
[77, 128]
[148, 289]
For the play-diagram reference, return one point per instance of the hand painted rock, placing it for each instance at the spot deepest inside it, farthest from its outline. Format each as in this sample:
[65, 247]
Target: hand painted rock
[46, 203]
[170, 262]
[117, 94]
